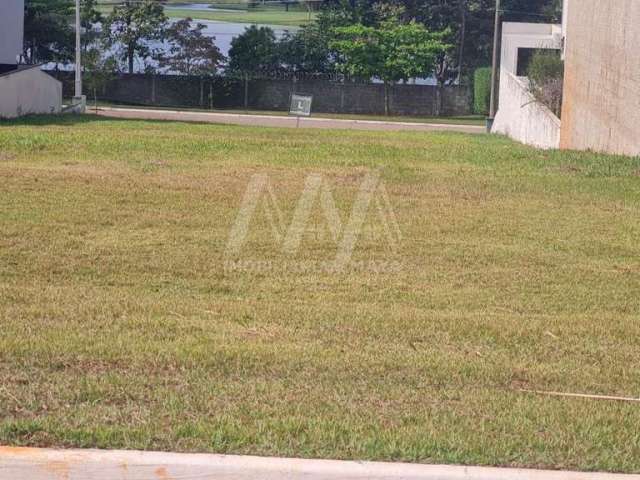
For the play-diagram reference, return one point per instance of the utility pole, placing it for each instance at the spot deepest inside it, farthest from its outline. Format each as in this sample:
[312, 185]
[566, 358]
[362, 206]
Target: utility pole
[79, 100]
[494, 68]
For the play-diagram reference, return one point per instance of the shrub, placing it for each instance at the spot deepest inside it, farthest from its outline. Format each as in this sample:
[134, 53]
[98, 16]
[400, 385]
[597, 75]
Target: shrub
[546, 75]
[481, 90]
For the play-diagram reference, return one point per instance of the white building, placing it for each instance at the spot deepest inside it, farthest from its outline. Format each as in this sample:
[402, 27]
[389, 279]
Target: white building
[599, 40]
[23, 89]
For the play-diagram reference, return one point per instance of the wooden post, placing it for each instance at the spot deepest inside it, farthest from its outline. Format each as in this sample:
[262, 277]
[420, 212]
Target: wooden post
[153, 89]
[201, 92]
[246, 91]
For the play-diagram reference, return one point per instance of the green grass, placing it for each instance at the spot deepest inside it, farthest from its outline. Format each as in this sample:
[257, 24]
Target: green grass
[264, 15]
[120, 328]
[277, 17]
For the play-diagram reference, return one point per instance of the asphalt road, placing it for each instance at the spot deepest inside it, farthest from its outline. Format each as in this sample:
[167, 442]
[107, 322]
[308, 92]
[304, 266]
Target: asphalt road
[281, 121]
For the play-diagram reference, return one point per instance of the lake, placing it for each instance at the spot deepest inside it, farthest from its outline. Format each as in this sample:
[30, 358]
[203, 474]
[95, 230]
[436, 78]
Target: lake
[223, 32]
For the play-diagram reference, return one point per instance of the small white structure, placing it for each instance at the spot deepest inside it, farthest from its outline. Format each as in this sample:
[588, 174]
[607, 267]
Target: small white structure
[28, 90]
[519, 115]
[23, 89]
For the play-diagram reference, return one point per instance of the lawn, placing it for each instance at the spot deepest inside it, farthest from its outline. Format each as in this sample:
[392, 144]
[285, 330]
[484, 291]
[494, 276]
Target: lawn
[122, 328]
[274, 15]
[267, 16]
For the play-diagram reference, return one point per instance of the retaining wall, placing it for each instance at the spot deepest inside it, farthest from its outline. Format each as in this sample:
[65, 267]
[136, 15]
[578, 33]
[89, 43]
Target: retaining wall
[522, 118]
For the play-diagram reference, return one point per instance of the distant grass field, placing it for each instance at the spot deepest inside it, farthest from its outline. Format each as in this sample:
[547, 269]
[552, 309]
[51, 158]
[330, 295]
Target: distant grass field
[292, 18]
[517, 269]
[265, 15]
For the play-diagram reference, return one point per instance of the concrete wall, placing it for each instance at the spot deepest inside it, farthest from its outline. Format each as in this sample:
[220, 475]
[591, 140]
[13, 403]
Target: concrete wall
[273, 94]
[355, 98]
[29, 91]
[526, 35]
[519, 115]
[601, 107]
[11, 30]
[522, 118]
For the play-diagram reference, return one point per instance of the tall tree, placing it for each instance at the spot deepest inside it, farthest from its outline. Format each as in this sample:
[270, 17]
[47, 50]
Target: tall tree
[90, 18]
[99, 70]
[253, 52]
[48, 33]
[190, 51]
[470, 23]
[132, 26]
[307, 50]
[391, 52]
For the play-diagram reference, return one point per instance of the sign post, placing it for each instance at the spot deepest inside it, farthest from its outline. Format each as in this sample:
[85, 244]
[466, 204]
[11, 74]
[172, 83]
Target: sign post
[300, 106]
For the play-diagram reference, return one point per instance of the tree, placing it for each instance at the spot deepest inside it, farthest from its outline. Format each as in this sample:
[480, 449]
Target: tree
[359, 54]
[48, 33]
[131, 27]
[392, 52]
[254, 51]
[90, 18]
[307, 50]
[190, 51]
[469, 22]
[98, 71]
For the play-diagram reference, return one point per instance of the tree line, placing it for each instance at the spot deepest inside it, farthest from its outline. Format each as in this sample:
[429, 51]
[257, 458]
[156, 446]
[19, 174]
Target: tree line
[392, 40]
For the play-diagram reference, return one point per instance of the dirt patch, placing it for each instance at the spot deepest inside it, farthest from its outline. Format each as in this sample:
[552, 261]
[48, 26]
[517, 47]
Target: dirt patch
[568, 169]
[7, 157]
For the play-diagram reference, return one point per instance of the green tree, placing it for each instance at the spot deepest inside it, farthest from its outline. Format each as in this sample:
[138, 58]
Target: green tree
[392, 52]
[469, 22]
[190, 52]
[90, 18]
[48, 32]
[131, 26]
[254, 51]
[307, 50]
[98, 71]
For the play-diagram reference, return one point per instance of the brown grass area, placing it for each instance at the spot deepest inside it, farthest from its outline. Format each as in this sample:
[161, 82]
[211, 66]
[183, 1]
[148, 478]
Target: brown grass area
[122, 329]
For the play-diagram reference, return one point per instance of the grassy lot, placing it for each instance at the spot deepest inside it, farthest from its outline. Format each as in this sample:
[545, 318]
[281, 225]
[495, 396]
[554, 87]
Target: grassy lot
[121, 328]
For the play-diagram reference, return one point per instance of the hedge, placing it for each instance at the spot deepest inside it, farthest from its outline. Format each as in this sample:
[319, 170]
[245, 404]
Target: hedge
[481, 90]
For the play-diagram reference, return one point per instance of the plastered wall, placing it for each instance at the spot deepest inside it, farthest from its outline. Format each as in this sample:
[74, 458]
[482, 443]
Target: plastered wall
[601, 107]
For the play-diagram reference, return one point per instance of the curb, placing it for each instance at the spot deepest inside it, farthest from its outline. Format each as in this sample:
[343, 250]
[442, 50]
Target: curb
[50, 464]
[280, 120]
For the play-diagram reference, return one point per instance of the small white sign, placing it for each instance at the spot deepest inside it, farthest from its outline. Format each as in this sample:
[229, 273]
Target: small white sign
[300, 105]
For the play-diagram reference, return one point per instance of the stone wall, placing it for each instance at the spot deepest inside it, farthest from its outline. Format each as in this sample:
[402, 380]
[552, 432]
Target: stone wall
[273, 94]
[601, 106]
